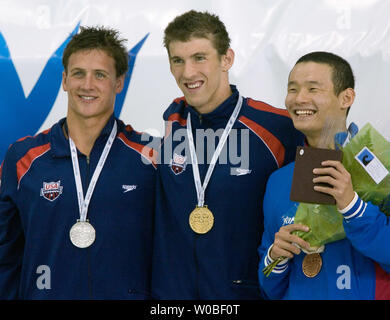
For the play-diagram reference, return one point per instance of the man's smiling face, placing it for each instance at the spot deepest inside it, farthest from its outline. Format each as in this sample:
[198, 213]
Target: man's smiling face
[91, 84]
[200, 72]
[311, 99]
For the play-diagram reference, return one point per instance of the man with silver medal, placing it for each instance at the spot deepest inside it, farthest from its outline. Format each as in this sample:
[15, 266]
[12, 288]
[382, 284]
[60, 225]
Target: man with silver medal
[320, 92]
[65, 207]
[208, 208]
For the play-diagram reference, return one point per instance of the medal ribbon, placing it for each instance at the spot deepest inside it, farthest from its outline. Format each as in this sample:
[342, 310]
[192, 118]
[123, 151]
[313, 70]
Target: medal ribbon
[84, 203]
[200, 190]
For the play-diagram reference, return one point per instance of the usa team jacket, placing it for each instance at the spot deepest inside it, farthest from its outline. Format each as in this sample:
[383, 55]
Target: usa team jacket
[221, 264]
[38, 206]
[352, 269]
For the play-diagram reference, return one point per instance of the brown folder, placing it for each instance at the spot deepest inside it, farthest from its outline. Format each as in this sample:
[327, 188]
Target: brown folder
[306, 159]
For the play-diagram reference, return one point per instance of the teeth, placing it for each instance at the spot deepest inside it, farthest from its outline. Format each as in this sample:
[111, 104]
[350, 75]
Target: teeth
[194, 85]
[304, 112]
[87, 97]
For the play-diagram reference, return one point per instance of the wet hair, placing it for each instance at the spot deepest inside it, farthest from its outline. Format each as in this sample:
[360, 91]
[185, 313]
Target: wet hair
[195, 24]
[342, 74]
[100, 38]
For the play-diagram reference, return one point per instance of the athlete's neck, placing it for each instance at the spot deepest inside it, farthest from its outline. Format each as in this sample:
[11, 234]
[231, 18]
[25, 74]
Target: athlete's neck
[84, 132]
[224, 93]
[325, 138]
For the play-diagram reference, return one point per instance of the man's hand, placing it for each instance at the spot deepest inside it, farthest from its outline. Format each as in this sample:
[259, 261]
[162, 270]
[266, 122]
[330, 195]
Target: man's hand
[339, 178]
[283, 245]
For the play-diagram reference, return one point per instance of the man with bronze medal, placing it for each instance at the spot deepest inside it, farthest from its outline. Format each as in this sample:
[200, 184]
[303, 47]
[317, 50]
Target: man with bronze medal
[320, 92]
[62, 204]
[218, 151]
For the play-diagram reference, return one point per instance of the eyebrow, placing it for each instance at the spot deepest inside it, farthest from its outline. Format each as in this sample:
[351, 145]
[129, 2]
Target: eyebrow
[82, 69]
[174, 57]
[200, 53]
[75, 69]
[313, 82]
[100, 70]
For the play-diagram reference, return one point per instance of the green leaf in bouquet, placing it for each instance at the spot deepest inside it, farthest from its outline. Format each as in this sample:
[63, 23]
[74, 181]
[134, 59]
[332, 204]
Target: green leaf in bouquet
[324, 221]
[363, 184]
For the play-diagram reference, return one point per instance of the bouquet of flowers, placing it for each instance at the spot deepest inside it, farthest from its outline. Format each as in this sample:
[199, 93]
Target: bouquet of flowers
[324, 221]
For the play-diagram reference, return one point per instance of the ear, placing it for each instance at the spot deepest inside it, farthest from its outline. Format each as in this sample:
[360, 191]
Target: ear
[227, 60]
[120, 81]
[64, 80]
[347, 97]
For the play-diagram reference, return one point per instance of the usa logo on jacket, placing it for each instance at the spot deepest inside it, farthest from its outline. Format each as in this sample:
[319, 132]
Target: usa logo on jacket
[178, 164]
[51, 190]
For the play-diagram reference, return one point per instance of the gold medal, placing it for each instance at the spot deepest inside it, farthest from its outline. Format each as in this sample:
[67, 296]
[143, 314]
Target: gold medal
[311, 264]
[201, 220]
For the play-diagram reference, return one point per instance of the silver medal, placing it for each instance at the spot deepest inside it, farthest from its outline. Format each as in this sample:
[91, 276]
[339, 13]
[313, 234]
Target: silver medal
[82, 234]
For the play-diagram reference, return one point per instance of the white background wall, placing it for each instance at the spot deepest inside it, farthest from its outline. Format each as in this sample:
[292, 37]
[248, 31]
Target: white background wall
[267, 36]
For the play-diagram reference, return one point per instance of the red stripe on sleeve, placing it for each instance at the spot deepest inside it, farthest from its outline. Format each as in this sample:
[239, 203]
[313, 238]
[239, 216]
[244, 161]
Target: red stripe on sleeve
[266, 107]
[176, 117]
[129, 128]
[382, 283]
[178, 100]
[147, 152]
[273, 143]
[168, 129]
[24, 138]
[24, 164]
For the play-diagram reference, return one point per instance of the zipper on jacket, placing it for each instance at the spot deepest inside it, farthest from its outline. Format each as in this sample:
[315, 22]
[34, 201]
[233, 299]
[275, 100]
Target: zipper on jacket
[87, 180]
[196, 269]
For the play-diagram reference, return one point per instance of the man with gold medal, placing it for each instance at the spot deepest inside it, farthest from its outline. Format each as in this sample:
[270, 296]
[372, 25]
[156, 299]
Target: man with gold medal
[320, 92]
[218, 151]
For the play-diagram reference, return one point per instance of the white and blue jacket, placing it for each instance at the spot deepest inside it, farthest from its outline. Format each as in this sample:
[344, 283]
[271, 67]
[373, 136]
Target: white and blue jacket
[352, 268]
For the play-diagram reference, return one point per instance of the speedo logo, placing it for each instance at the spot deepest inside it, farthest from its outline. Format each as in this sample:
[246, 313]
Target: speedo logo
[127, 188]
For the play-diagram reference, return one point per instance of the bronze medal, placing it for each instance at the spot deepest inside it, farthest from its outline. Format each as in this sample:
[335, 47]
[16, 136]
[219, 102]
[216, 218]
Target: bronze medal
[311, 265]
[201, 220]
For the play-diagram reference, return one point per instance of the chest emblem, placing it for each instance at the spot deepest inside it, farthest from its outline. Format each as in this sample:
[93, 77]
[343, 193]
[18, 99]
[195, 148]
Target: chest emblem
[51, 190]
[178, 164]
[127, 188]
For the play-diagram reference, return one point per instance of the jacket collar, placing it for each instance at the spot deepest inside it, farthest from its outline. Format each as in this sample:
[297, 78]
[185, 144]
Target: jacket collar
[60, 144]
[341, 139]
[222, 112]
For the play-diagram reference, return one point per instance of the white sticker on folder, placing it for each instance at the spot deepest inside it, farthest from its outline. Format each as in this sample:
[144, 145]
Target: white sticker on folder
[372, 165]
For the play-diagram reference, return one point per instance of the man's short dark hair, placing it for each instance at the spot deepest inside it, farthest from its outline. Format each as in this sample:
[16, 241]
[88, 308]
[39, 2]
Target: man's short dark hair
[99, 38]
[194, 24]
[342, 74]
